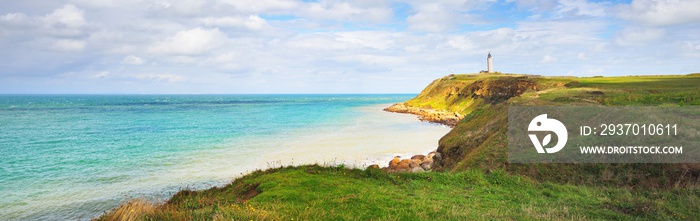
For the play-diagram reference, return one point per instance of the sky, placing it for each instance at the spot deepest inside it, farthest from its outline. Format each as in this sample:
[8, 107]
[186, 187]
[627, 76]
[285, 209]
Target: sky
[327, 46]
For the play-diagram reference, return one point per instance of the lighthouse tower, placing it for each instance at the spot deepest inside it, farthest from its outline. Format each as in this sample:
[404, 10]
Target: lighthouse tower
[489, 63]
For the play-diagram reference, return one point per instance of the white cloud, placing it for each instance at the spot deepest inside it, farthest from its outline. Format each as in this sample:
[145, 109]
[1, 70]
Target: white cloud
[548, 59]
[662, 12]
[595, 71]
[105, 3]
[460, 42]
[67, 21]
[190, 42]
[131, 59]
[443, 16]
[581, 7]
[163, 78]
[141, 77]
[68, 16]
[101, 74]
[257, 6]
[431, 17]
[14, 18]
[375, 40]
[225, 58]
[316, 41]
[253, 22]
[370, 59]
[638, 36]
[68, 45]
[480, 41]
[535, 5]
[581, 56]
[323, 10]
[344, 11]
[560, 32]
[691, 46]
[368, 39]
[414, 48]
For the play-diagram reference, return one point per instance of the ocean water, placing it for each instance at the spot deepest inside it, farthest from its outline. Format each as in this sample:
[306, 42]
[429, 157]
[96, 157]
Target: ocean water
[75, 156]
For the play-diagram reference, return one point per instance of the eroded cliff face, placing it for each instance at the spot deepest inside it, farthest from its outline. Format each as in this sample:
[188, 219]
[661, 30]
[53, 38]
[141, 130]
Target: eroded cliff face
[500, 89]
[479, 141]
[447, 100]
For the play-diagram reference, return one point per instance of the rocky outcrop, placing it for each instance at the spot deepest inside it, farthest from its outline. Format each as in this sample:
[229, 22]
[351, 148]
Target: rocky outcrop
[500, 89]
[425, 114]
[483, 90]
[417, 163]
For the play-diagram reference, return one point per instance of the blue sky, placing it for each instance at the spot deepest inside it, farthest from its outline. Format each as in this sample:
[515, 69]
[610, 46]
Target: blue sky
[360, 46]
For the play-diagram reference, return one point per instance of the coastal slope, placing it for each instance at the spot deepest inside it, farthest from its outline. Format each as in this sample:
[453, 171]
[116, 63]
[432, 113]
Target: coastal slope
[479, 140]
[337, 193]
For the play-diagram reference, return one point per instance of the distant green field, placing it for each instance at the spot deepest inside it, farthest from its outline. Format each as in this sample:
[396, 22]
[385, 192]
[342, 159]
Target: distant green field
[647, 90]
[449, 93]
[337, 193]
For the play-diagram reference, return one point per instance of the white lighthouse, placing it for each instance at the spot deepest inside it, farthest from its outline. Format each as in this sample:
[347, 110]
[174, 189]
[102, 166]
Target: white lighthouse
[489, 63]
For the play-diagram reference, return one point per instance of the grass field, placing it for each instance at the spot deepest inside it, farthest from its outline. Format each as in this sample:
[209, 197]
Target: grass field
[450, 92]
[337, 193]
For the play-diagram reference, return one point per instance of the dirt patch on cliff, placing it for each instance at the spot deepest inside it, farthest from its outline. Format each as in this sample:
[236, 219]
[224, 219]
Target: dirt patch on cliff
[249, 194]
[499, 89]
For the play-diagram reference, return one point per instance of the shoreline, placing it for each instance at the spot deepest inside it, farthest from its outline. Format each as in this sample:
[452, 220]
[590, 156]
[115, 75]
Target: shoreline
[161, 149]
[419, 162]
[305, 147]
[443, 117]
[363, 146]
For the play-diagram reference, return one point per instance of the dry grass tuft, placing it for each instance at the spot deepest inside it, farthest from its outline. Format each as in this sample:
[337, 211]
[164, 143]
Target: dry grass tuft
[132, 210]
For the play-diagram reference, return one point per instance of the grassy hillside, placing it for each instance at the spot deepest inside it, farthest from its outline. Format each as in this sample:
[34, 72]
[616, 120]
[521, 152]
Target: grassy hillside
[457, 92]
[336, 193]
[479, 141]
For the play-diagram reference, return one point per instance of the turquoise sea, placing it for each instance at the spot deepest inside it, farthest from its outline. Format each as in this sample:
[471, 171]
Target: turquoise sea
[75, 156]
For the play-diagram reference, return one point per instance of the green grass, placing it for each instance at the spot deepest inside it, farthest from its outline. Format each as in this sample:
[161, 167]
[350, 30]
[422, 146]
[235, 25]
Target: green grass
[629, 90]
[480, 140]
[337, 193]
[447, 94]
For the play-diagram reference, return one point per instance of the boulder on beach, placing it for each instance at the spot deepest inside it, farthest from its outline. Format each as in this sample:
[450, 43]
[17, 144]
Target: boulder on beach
[403, 165]
[417, 163]
[434, 156]
[426, 165]
[419, 156]
[394, 162]
[413, 164]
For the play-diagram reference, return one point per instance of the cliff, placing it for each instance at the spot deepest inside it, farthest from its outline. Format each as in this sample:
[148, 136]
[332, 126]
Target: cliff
[479, 139]
[447, 100]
